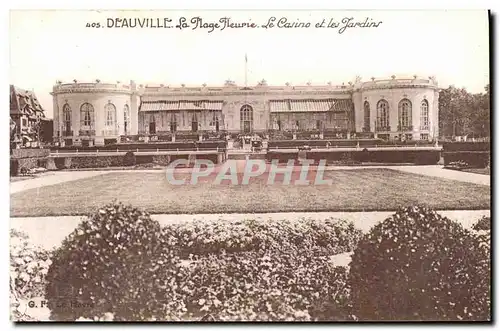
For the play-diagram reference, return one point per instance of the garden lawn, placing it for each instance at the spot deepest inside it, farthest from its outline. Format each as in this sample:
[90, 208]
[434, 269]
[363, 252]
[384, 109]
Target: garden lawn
[352, 190]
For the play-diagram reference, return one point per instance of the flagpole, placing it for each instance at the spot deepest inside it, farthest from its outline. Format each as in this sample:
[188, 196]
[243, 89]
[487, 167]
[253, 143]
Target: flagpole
[246, 69]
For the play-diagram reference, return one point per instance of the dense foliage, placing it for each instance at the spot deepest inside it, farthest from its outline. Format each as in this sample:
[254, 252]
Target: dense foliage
[462, 113]
[14, 167]
[28, 267]
[259, 286]
[319, 236]
[417, 265]
[120, 262]
[100, 266]
[129, 159]
[262, 270]
[483, 224]
[97, 161]
[458, 165]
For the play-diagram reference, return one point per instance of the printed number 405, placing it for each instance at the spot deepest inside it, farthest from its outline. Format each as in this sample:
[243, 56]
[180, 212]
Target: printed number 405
[93, 25]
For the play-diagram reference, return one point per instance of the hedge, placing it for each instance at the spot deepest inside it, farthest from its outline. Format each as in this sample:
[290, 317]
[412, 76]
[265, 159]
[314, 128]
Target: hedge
[483, 224]
[282, 157]
[96, 161]
[332, 157]
[343, 143]
[59, 163]
[14, 167]
[417, 265]
[182, 146]
[466, 146]
[82, 162]
[101, 265]
[473, 159]
[258, 286]
[122, 263]
[129, 159]
[323, 237]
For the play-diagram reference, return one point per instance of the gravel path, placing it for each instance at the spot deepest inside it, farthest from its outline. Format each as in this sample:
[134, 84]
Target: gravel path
[439, 171]
[51, 178]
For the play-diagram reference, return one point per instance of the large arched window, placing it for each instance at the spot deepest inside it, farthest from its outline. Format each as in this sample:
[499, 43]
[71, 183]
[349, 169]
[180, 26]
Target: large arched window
[366, 125]
[404, 111]
[246, 119]
[383, 115]
[424, 115]
[126, 119]
[87, 115]
[110, 113]
[66, 118]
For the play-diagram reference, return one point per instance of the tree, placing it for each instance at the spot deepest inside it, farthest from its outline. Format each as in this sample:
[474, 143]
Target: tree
[462, 113]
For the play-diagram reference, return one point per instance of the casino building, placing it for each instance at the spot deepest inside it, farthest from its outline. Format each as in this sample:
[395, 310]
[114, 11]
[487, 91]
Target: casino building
[100, 113]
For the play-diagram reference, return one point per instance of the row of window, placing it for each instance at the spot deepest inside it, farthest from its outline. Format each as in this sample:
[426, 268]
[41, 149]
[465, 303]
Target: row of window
[213, 116]
[173, 125]
[246, 116]
[404, 114]
[278, 125]
[87, 116]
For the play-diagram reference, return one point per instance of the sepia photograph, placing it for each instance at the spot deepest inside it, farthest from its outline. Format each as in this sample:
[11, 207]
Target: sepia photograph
[250, 166]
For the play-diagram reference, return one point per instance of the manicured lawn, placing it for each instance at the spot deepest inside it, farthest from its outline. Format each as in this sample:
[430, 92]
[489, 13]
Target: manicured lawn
[352, 190]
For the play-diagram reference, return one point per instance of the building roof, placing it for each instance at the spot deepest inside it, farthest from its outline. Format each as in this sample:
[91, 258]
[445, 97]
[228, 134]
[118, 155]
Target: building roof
[180, 105]
[24, 102]
[321, 105]
[276, 106]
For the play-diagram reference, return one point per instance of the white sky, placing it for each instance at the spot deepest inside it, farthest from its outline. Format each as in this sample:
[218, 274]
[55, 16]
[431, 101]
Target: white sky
[46, 46]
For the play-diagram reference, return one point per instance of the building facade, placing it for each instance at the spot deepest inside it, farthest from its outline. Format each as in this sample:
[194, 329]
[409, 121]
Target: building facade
[89, 114]
[28, 123]
[98, 113]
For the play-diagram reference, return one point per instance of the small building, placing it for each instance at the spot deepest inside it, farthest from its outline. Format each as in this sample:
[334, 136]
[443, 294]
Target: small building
[28, 123]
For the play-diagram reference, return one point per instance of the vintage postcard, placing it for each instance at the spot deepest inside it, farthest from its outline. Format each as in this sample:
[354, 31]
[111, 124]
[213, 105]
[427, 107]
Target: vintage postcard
[219, 166]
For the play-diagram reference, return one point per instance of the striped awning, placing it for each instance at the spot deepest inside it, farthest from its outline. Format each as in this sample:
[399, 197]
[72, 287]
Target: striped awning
[301, 106]
[180, 105]
[342, 105]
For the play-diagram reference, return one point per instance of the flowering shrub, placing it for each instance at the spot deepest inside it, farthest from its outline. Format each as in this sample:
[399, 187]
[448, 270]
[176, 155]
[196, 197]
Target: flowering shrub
[119, 261]
[129, 159]
[102, 265]
[483, 224]
[96, 161]
[28, 267]
[321, 237]
[120, 265]
[418, 265]
[252, 271]
[458, 165]
[483, 233]
[265, 286]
